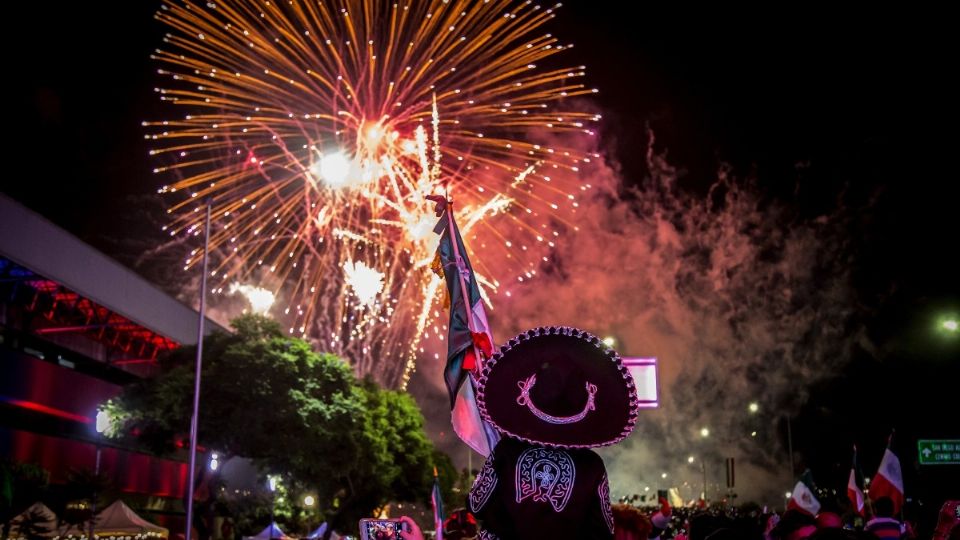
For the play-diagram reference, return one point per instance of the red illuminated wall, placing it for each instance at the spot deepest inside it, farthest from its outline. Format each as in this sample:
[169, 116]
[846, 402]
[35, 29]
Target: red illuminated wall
[48, 390]
[48, 387]
[130, 472]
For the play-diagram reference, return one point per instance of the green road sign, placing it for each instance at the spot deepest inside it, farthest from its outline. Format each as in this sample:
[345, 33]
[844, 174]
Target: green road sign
[943, 452]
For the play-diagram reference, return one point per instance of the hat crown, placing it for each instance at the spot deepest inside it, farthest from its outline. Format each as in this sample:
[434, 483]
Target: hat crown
[559, 390]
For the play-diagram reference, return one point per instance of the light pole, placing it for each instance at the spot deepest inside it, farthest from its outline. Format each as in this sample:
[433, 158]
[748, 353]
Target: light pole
[308, 501]
[272, 482]
[195, 418]
[102, 423]
[790, 445]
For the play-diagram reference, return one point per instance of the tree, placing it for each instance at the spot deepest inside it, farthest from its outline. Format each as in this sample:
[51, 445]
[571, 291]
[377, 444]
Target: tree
[394, 461]
[21, 484]
[296, 413]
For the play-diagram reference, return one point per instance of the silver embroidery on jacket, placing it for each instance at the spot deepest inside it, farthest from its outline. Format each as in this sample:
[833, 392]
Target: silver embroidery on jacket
[546, 475]
[486, 535]
[483, 486]
[604, 492]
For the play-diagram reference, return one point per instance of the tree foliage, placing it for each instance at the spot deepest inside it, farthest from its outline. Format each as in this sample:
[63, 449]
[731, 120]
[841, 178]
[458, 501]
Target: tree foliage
[294, 412]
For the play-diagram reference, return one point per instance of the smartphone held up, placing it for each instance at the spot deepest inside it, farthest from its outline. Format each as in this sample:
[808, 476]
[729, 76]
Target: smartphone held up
[380, 529]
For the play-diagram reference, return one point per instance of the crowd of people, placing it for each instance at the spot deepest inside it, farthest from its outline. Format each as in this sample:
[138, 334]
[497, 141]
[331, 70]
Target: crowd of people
[554, 394]
[731, 523]
[632, 523]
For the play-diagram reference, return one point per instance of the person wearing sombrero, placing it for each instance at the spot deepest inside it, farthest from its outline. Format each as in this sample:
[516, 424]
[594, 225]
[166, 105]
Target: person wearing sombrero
[553, 393]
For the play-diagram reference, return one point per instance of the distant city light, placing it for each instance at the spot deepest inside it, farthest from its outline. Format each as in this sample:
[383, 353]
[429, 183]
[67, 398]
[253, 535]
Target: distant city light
[947, 325]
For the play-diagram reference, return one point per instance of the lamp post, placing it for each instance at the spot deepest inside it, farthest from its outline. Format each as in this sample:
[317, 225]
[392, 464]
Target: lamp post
[790, 446]
[272, 482]
[102, 423]
[195, 418]
[308, 501]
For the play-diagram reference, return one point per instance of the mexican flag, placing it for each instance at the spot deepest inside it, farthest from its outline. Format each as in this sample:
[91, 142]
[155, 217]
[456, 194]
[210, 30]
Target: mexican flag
[853, 489]
[469, 340]
[889, 481]
[802, 498]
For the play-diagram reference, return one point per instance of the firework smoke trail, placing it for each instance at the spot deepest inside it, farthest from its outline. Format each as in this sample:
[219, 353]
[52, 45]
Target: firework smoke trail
[739, 299]
[275, 94]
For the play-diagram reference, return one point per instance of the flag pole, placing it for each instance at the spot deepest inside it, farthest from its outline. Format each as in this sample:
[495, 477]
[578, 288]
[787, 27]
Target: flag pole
[890, 444]
[196, 380]
[856, 467]
[437, 506]
[464, 292]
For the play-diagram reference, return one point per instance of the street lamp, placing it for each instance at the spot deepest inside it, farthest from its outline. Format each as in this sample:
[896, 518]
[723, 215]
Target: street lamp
[308, 501]
[272, 483]
[102, 424]
[948, 325]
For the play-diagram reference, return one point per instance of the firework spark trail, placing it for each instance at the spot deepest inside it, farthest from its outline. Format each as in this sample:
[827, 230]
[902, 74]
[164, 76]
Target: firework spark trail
[272, 91]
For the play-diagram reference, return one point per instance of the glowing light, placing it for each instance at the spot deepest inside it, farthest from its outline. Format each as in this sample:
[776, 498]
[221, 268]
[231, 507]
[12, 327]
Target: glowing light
[104, 421]
[365, 281]
[309, 500]
[273, 482]
[949, 325]
[691, 459]
[753, 407]
[753, 433]
[214, 461]
[260, 300]
[788, 494]
[663, 475]
[705, 432]
[609, 341]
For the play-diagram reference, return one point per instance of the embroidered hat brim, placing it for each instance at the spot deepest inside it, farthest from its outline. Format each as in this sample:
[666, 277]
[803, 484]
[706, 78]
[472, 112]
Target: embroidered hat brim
[599, 403]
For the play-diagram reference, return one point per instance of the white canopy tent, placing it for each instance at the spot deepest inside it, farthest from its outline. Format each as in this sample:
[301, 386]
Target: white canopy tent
[119, 520]
[272, 531]
[318, 533]
[38, 520]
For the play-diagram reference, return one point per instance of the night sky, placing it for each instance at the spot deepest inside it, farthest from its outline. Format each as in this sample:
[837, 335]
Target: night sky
[818, 107]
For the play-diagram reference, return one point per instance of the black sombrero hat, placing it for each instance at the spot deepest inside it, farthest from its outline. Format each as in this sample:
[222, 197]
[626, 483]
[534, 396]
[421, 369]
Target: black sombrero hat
[558, 386]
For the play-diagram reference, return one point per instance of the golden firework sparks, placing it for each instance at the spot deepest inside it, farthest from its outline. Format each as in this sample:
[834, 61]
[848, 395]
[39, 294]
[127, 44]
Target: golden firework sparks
[319, 128]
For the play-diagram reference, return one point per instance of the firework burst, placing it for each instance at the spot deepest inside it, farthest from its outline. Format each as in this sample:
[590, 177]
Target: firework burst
[318, 129]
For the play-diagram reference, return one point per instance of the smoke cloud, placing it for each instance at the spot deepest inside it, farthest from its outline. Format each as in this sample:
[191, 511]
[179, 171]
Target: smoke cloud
[741, 300]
